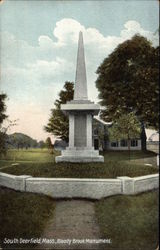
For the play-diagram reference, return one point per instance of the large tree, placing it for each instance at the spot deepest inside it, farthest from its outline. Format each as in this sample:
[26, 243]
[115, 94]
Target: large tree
[58, 123]
[3, 116]
[128, 81]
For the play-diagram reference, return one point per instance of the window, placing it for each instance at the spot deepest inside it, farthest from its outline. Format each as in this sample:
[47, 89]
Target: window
[134, 143]
[123, 143]
[114, 144]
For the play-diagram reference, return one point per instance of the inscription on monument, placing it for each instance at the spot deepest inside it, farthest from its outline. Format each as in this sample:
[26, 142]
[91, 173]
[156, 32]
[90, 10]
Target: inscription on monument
[80, 132]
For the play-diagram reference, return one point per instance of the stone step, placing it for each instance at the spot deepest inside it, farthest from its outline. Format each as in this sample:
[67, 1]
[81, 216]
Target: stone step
[79, 159]
[80, 153]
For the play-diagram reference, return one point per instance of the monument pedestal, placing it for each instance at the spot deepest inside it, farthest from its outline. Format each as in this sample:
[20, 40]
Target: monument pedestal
[80, 135]
[81, 154]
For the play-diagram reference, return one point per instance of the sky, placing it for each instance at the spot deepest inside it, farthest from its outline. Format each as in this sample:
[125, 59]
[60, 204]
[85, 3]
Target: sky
[38, 49]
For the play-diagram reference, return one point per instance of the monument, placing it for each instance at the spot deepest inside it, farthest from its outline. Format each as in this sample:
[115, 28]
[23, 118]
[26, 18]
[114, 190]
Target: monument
[80, 111]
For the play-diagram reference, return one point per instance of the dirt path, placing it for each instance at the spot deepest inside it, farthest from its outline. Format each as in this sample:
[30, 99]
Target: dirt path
[74, 219]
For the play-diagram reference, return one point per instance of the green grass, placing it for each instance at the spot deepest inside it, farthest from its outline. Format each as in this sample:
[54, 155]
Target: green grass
[23, 215]
[29, 155]
[66, 170]
[131, 222]
[39, 163]
[124, 155]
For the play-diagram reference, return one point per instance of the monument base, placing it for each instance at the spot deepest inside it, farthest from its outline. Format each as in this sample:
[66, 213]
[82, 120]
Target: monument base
[79, 155]
[79, 159]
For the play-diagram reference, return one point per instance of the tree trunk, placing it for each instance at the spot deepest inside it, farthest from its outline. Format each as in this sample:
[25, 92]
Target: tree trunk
[129, 147]
[143, 137]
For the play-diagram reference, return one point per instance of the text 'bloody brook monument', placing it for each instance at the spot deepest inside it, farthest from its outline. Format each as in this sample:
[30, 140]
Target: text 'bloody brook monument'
[80, 111]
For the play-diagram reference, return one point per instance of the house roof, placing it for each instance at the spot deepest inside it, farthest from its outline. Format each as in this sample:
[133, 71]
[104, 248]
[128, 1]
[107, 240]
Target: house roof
[101, 121]
[152, 135]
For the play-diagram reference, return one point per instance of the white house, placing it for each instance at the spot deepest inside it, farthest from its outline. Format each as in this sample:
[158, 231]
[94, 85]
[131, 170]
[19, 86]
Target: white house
[101, 140]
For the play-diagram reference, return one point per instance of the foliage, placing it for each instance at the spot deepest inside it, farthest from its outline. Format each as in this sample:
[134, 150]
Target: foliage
[127, 127]
[3, 137]
[3, 130]
[49, 144]
[58, 123]
[128, 81]
[3, 116]
[20, 140]
[41, 144]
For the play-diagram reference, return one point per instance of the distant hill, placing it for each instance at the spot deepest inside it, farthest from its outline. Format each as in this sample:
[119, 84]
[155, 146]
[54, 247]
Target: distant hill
[20, 140]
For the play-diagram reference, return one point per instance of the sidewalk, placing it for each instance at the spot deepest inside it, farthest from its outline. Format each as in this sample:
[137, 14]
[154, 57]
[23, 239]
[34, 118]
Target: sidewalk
[74, 219]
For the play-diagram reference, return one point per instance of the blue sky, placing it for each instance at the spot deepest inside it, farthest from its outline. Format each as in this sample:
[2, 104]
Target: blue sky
[39, 47]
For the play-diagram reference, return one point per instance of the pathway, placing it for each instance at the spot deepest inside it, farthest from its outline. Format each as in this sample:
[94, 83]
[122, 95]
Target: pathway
[73, 219]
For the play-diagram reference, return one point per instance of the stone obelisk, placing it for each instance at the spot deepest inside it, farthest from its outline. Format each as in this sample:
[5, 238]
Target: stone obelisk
[80, 92]
[80, 111]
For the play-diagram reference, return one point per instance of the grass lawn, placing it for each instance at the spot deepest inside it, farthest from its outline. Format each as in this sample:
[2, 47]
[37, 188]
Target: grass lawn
[39, 163]
[23, 215]
[29, 155]
[131, 222]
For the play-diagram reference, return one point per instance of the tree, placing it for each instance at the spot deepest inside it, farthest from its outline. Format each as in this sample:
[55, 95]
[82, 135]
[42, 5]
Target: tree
[128, 81]
[58, 123]
[34, 144]
[126, 127]
[2, 142]
[41, 144]
[20, 141]
[3, 116]
[49, 144]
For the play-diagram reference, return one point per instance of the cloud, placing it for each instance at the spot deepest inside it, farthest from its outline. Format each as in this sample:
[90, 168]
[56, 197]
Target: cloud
[67, 30]
[43, 69]
[35, 74]
[133, 27]
[97, 46]
[45, 41]
[55, 55]
[15, 51]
